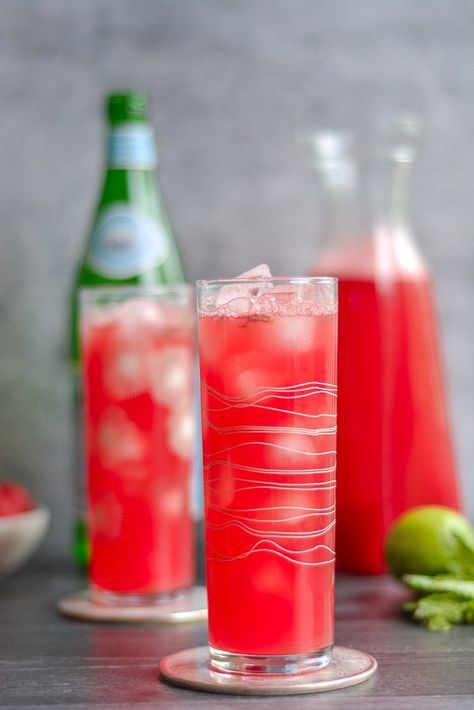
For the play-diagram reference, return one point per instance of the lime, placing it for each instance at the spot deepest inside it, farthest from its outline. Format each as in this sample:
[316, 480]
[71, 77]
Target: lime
[430, 540]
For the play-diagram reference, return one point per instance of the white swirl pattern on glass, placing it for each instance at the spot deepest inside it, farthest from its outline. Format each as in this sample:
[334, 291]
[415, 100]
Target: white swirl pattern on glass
[293, 519]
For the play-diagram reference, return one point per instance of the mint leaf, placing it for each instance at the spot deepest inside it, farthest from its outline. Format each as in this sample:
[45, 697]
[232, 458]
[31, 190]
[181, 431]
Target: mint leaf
[438, 622]
[469, 612]
[441, 610]
[438, 611]
[424, 584]
[450, 606]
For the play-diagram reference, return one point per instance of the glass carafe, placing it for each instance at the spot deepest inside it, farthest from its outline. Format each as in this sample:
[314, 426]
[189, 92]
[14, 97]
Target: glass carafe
[394, 441]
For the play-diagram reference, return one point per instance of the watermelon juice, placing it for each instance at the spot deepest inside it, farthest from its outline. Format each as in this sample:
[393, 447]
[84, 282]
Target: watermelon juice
[394, 443]
[138, 374]
[268, 379]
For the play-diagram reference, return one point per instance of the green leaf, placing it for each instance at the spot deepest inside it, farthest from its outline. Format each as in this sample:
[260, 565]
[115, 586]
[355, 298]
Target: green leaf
[469, 612]
[425, 584]
[450, 606]
[438, 622]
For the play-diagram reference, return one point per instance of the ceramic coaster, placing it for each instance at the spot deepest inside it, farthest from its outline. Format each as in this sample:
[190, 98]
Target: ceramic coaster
[190, 605]
[190, 669]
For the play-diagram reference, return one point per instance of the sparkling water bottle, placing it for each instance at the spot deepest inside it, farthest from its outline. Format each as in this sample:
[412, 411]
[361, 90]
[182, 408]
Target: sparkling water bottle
[131, 242]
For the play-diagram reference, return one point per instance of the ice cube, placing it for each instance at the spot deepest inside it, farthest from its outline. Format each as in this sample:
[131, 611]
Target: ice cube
[240, 297]
[239, 306]
[107, 516]
[171, 374]
[173, 502]
[245, 374]
[139, 316]
[95, 319]
[271, 578]
[293, 315]
[125, 369]
[275, 300]
[250, 375]
[293, 333]
[262, 271]
[293, 451]
[119, 441]
[127, 345]
[181, 431]
[250, 382]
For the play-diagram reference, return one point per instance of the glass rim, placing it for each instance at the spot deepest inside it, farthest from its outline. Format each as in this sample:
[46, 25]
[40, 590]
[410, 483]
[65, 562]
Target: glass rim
[297, 280]
[87, 293]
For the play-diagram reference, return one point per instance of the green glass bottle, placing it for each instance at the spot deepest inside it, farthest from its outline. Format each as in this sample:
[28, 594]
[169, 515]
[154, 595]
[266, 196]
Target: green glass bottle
[131, 242]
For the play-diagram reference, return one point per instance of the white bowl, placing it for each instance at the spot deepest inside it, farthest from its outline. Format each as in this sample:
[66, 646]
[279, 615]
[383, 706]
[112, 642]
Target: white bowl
[20, 535]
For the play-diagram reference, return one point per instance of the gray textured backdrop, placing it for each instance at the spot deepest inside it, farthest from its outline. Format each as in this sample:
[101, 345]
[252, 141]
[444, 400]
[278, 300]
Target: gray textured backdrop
[232, 82]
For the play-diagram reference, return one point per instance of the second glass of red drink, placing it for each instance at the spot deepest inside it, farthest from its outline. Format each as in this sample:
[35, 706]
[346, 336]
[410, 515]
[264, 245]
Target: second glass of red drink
[138, 360]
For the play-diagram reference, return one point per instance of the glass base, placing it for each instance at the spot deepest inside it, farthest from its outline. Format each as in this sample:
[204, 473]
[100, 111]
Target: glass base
[190, 605]
[104, 597]
[246, 664]
[191, 669]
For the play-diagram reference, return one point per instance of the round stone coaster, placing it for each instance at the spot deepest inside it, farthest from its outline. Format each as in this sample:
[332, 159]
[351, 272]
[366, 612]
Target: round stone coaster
[190, 669]
[191, 605]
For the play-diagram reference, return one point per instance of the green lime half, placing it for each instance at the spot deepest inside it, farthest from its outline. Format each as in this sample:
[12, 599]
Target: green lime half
[430, 540]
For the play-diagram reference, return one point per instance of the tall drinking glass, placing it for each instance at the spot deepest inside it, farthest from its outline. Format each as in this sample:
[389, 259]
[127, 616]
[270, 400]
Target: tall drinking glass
[268, 389]
[138, 355]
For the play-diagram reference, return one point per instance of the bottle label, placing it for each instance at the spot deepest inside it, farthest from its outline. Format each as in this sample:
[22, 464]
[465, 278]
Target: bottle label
[126, 243]
[131, 145]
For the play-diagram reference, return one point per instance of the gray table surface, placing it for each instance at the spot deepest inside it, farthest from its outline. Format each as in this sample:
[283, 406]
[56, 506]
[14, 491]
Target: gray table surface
[46, 660]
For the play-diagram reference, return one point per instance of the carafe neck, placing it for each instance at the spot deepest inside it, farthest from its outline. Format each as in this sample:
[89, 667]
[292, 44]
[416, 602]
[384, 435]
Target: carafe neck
[363, 193]
[338, 182]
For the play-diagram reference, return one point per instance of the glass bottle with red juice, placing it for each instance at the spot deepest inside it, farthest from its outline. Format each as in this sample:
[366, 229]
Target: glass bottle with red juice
[394, 440]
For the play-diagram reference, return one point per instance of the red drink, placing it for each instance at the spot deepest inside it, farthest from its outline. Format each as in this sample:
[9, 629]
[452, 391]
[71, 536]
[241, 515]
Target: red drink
[393, 443]
[269, 428]
[138, 374]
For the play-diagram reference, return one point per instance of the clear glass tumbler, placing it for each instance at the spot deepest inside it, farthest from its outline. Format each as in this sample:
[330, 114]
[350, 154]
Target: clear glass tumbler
[138, 371]
[268, 390]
